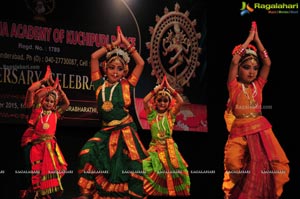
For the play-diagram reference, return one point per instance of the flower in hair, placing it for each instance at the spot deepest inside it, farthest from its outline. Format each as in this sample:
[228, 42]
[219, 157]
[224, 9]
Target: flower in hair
[119, 53]
[164, 92]
[250, 46]
[54, 93]
[251, 50]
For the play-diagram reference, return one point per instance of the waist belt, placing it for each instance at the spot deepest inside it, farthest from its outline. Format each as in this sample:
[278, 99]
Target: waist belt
[43, 138]
[249, 115]
[124, 120]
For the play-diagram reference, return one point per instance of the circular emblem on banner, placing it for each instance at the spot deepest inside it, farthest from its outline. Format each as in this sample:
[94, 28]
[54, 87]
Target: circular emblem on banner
[174, 47]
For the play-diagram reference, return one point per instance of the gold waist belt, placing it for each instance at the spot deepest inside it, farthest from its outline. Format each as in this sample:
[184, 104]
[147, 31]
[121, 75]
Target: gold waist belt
[249, 115]
[43, 138]
[157, 141]
[124, 120]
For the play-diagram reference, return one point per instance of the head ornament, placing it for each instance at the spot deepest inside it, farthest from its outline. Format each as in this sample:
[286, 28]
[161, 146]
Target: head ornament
[117, 52]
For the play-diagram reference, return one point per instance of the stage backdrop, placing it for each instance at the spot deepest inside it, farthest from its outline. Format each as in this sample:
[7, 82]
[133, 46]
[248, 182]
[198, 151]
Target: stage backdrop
[170, 36]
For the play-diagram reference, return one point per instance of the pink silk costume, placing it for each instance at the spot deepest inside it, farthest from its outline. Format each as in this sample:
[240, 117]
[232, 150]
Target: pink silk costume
[47, 161]
[255, 164]
[166, 172]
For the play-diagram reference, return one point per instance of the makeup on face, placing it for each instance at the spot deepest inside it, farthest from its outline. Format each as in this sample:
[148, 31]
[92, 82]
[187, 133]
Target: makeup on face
[162, 99]
[117, 67]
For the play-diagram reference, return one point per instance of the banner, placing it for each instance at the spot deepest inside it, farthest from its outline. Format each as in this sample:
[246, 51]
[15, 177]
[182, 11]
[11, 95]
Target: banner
[35, 34]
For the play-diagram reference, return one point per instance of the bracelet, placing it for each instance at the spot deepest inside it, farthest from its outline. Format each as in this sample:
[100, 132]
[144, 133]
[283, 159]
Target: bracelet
[132, 50]
[105, 48]
[129, 47]
[174, 94]
[108, 47]
[112, 45]
[153, 92]
[264, 54]
[63, 95]
[95, 75]
[48, 91]
[239, 50]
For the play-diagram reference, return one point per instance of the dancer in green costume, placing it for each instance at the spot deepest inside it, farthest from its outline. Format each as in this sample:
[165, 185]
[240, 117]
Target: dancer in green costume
[165, 169]
[111, 161]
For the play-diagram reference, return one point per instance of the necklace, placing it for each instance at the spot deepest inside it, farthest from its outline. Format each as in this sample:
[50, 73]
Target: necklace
[251, 99]
[107, 105]
[46, 112]
[161, 133]
[45, 124]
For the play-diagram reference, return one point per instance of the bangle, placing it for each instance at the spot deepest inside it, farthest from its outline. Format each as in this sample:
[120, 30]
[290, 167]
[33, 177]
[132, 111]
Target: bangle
[132, 50]
[112, 45]
[42, 82]
[174, 94]
[264, 54]
[95, 75]
[153, 92]
[108, 47]
[129, 47]
[105, 48]
[48, 90]
[239, 50]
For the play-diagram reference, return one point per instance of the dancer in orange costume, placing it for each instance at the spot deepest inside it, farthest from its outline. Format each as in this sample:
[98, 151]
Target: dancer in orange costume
[255, 164]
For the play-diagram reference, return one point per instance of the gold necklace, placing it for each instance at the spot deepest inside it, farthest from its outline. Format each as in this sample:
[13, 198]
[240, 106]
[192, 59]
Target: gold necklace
[251, 99]
[47, 112]
[45, 124]
[107, 105]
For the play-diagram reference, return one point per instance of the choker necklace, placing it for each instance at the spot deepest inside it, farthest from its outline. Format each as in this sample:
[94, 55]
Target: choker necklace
[251, 100]
[46, 112]
[107, 105]
[45, 124]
